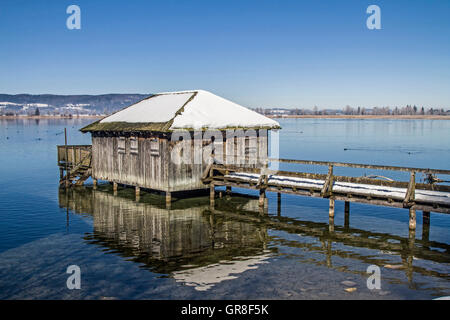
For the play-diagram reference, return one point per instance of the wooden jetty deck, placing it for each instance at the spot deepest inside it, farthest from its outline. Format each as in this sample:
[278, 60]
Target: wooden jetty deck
[433, 196]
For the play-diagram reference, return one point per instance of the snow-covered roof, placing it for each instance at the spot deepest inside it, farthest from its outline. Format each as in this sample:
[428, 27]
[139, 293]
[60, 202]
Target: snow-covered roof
[168, 111]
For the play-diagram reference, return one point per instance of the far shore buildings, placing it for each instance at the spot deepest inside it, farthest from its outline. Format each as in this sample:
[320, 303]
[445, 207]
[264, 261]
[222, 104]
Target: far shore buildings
[166, 141]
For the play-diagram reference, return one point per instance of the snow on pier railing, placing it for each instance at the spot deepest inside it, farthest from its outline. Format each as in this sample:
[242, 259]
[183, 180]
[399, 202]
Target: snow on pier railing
[377, 190]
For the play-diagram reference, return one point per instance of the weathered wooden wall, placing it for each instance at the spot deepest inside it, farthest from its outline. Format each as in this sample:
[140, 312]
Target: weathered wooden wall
[142, 169]
[178, 167]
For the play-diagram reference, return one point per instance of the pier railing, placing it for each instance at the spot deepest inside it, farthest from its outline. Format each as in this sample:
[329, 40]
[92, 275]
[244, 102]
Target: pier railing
[72, 155]
[74, 162]
[324, 184]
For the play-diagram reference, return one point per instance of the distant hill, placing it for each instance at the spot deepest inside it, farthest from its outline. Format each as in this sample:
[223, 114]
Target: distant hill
[66, 104]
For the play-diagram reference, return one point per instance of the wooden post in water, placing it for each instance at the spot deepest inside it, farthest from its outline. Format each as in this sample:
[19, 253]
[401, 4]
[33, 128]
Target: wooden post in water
[66, 156]
[331, 215]
[228, 191]
[94, 184]
[115, 186]
[138, 193]
[262, 196]
[426, 226]
[212, 194]
[347, 215]
[412, 218]
[168, 199]
[279, 204]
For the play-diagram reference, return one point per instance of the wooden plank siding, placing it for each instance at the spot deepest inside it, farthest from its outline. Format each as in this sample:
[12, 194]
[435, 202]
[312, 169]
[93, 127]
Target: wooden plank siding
[163, 172]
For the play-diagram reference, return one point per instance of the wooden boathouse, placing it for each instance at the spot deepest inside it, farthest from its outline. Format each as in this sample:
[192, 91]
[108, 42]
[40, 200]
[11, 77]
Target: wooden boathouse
[191, 140]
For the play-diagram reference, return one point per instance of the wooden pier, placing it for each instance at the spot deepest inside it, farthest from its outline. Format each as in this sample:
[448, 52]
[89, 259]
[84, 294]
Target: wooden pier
[74, 163]
[433, 196]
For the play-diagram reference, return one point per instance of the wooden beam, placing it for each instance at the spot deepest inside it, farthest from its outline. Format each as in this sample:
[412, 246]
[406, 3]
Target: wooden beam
[328, 185]
[410, 193]
[359, 165]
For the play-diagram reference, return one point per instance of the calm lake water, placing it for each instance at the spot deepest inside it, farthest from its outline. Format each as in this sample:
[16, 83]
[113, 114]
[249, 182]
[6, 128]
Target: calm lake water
[140, 250]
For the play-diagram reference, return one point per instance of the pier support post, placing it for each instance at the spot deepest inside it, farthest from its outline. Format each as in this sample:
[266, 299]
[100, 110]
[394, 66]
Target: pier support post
[412, 218]
[347, 215]
[115, 186]
[94, 184]
[262, 196]
[228, 191]
[279, 204]
[138, 193]
[168, 199]
[212, 194]
[331, 211]
[331, 215]
[425, 226]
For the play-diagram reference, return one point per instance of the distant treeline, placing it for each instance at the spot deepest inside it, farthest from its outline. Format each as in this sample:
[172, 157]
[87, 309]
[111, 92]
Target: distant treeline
[65, 105]
[348, 110]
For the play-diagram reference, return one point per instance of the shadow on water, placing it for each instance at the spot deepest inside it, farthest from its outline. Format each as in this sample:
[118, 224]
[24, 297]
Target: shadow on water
[200, 246]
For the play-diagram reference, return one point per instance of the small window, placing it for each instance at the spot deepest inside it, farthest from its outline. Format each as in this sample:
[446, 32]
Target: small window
[154, 147]
[121, 145]
[134, 145]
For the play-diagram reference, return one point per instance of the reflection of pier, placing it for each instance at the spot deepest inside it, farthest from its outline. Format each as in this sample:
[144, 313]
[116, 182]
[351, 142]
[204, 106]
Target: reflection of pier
[192, 239]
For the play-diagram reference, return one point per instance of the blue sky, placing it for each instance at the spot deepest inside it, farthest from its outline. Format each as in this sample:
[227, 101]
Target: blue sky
[257, 53]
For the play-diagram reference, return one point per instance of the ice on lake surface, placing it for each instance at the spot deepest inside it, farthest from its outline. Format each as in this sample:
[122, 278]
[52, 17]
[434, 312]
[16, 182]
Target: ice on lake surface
[140, 250]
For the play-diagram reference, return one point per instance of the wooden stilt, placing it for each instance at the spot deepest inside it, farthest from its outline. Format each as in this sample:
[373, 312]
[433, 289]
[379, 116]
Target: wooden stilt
[412, 218]
[279, 204]
[426, 226]
[67, 157]
[212, 194]
[115, 187]
[347, 215]
[262, 195]
[94, 184]
[331, 216]
[331, 211]
[138, 193]
[168, 199]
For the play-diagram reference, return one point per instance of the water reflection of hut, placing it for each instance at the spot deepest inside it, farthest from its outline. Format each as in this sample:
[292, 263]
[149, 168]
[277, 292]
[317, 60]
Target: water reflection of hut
[187, 237]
